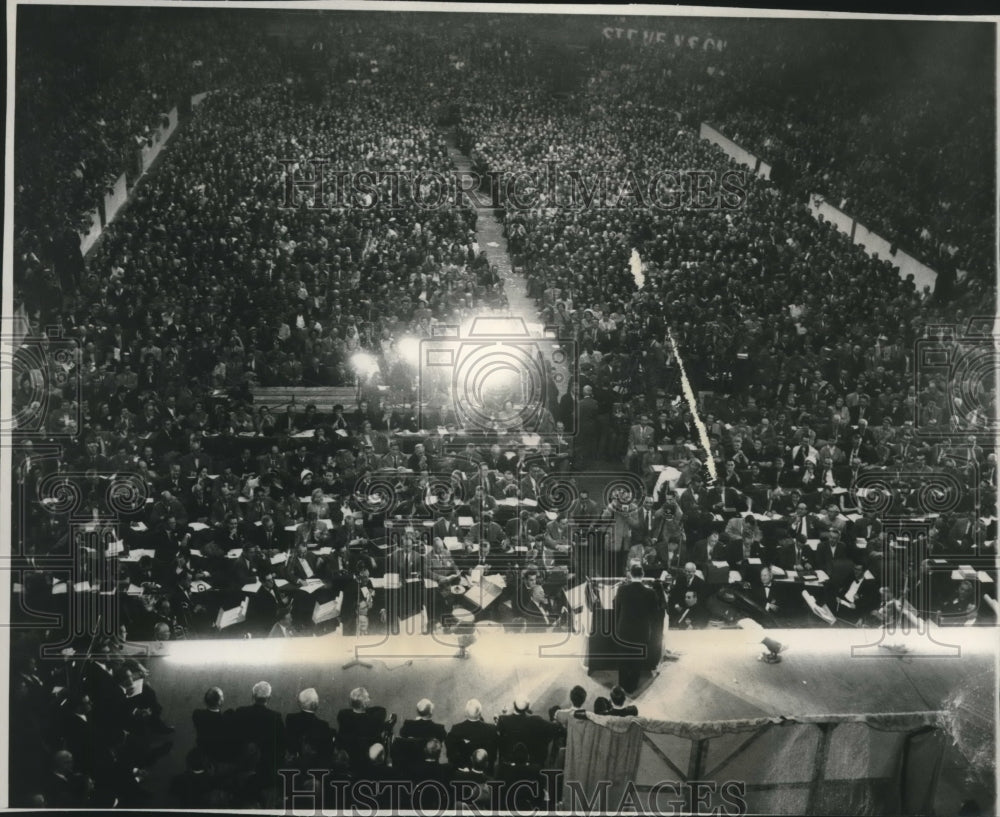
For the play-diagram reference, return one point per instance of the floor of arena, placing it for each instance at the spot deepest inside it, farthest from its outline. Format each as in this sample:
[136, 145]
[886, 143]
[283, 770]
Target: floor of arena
[719, 678]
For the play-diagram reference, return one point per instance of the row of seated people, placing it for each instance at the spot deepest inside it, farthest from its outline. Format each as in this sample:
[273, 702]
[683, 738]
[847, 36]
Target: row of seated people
[476, 759]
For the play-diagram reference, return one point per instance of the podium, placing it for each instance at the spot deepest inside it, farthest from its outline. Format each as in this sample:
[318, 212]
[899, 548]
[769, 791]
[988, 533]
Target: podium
[605, 650]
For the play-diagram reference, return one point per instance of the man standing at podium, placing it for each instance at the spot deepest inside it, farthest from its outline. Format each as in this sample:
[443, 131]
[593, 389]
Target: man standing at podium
[635, 611]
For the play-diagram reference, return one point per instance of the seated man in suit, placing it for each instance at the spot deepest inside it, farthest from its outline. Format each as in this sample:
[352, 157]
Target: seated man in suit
[307, 733]
[267, 601]
[690, 580]
[214, 729]
[303, 565]
[857, 597]
[765, 596]
[533, 731]
[282, 627]
[694, 615]
[360, 727]
[423, 726]
[263, 727]
[471, 735]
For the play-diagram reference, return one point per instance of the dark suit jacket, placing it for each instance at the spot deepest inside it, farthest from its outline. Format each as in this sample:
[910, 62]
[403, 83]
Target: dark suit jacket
[422, 730]
[681, 587]
[357, 731]
[294, 570]
[215, 733]
[264, 727]
[693, 617]
[307, 727]
[635, 609]
[734, 553]
[467, 736]
[395, 561]
[533, 731]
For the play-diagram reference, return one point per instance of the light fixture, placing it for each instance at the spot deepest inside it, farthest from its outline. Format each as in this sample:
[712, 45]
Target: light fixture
[773, 649]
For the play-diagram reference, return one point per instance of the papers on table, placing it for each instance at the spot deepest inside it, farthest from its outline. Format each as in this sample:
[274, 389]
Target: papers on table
[340, 432]
[116, 547]
[139, 527]
[855, 517]
[311, 585]
[237, 615]
[822, 612]
[324, 612]
[390, 581]
[235, 553]
[197, 526]
[133, 590]
[200, 586]
[323, 551]
[303, 435]
[253, 587]
[735, 577]
[812, 543]
[136, 554]
[83, 587]
[776, 571]
[753, 561]
[452, 543]
[720, 563]
[465, 521]
[971, 575]
[279, 558]
[59, 589]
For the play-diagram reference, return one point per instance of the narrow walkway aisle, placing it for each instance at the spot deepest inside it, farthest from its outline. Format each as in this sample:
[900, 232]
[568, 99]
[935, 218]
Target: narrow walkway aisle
[489, 234]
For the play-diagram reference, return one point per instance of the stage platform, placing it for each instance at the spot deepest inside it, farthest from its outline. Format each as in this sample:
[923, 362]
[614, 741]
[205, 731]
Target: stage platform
[717, 676]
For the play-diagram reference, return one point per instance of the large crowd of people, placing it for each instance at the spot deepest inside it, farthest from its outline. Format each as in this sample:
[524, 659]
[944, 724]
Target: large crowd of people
[758, 385]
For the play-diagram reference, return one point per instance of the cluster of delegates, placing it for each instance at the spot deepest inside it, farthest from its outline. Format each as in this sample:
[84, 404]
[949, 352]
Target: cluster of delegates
[302, 522]
[209, 283]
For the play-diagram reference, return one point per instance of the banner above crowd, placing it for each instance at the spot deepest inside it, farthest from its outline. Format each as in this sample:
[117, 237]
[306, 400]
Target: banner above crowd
[645, 36]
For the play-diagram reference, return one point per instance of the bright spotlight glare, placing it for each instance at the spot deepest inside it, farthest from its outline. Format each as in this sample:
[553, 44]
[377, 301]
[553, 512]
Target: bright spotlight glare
[364, 364]
[409, 350]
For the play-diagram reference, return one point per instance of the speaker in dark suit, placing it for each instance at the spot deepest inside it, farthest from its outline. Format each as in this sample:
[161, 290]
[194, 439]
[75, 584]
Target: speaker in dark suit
[635, 611]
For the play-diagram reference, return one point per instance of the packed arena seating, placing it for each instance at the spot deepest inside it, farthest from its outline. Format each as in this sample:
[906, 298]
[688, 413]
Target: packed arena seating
[197, 511]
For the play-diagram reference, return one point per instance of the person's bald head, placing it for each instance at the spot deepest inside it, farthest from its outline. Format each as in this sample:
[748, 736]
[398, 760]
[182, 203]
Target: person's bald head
[480, 760]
